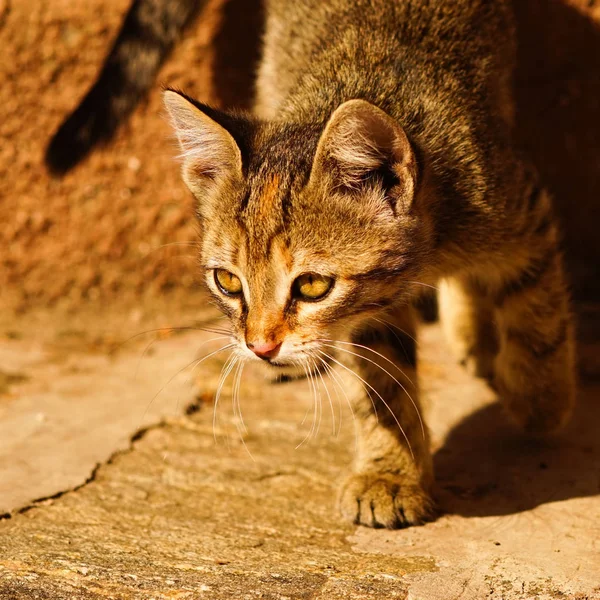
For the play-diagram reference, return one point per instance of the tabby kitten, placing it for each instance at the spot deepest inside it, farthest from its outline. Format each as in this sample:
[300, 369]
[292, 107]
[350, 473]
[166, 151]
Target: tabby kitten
[379, 158]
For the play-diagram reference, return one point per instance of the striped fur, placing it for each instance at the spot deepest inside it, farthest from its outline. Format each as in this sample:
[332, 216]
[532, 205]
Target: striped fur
[149, 30]
[380, 154]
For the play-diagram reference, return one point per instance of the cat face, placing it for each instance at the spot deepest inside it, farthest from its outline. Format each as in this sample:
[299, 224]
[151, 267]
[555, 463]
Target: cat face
[289, 288]
[304, 239]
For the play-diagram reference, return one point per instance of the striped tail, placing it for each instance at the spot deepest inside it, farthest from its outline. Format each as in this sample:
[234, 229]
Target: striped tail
[149, 31]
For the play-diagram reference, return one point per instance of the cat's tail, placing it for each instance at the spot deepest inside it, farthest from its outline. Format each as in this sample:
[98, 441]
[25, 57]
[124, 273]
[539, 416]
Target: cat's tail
[149, 31]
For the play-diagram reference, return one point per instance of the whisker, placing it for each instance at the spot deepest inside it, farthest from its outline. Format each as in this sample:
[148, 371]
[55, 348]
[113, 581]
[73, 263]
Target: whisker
[315, 404]
[386, 372]
[157, 248]
[347, 369]
[335, 431]
[162, 259]
[194, 362]
[339, 384]
[374, 352]
[319, 396]
[233, 397]
[200, 361]
[139, 362]
[225, 371]
[308, 380]
[166, 329]
[241, 426]
[378, 395]
[308, 384]
[236, 396]
[389, 325]
[427, 285]
[315, 373]
[162, 388]
[317, 370]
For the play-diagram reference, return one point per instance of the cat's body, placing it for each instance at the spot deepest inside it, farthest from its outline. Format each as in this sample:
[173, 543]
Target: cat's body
[380, 159]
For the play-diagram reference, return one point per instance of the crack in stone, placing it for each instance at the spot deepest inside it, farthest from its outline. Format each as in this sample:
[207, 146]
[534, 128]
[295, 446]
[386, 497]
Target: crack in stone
[37, 502]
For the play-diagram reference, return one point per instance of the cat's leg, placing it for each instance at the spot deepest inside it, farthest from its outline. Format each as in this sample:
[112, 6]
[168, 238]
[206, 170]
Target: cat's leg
[467, 318]
[535, 367]
[393, 474]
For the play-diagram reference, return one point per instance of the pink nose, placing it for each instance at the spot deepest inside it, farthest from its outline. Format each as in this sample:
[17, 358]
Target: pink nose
[265, 350]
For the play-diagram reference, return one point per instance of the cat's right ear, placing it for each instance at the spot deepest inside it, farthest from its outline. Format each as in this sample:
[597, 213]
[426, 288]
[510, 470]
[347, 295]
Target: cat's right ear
[361, 147]
[209, 152]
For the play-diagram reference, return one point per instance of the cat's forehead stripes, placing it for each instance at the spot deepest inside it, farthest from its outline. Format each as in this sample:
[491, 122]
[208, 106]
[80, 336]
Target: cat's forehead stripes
[278, 169]
[262, 214]
[268, 196]
[263, 218]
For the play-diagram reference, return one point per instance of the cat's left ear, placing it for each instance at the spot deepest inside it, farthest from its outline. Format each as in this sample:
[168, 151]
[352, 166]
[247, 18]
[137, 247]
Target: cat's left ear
[362, 145]
[210, 140]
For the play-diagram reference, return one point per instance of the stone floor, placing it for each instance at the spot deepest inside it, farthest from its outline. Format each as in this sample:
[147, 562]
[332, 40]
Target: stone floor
[117, 481]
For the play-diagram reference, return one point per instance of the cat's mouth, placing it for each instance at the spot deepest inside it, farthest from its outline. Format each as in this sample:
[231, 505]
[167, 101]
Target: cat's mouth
[280, 372]
[299, 366]
[285, 372]
[279, 363]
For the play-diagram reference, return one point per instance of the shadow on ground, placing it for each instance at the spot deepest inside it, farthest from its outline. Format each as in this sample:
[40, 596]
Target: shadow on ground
[486, 468]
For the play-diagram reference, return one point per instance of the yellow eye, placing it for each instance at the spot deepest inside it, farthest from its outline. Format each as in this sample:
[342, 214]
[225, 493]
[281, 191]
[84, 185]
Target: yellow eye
[227, 282]
[312, 286]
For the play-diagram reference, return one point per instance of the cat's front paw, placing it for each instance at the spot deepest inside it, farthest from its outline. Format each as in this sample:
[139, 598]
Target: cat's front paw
[381, 500]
